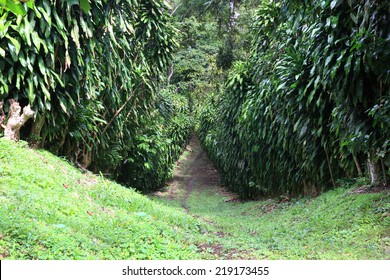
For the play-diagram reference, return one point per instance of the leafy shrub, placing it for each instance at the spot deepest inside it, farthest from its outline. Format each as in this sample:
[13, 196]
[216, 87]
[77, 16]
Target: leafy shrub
[149, 160]
[311, 104]
[220, 133]
[90, 70]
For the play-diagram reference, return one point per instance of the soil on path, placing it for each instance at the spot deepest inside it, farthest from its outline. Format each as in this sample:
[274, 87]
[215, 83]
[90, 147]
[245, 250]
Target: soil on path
[195, 172]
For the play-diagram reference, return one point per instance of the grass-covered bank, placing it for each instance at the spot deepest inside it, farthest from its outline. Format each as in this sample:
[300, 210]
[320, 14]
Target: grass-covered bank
[346, 223]
[50, 210]
[336, 225]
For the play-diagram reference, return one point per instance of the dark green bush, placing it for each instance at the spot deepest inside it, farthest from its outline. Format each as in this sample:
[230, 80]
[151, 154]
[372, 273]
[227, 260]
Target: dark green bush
[311, 104]
[149, 160]
[90, 70]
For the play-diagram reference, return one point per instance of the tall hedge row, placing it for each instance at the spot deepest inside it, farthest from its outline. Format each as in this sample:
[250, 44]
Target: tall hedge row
[312, 103]
[91, 71]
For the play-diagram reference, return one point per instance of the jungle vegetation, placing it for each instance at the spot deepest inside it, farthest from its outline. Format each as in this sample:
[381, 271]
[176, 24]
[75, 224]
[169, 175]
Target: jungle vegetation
[287, 97]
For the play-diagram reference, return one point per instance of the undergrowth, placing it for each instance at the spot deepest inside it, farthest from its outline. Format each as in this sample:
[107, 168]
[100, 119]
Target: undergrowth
[338, 224]
[345, 223]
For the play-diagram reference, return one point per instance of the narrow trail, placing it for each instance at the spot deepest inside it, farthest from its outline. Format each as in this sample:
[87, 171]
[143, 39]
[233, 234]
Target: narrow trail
[200, 171]
[195, 174]
[194, 168]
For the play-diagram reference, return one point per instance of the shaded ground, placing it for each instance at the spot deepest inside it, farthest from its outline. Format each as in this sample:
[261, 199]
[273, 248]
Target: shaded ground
[194, 167]
[371, 189]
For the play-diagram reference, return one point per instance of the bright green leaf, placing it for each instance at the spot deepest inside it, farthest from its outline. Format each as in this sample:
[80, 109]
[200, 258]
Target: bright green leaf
[85, 6]
[15, 7]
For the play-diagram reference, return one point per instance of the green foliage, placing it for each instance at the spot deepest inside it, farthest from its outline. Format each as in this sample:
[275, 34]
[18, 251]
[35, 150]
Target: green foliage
[16, 7]
[50, 210]
[225, 55]
[345, 223]
[90, 70]
[336, 225]
[219, 131]
[194, 71]
[355, 74]
[312, 102]
[212, 38]
[148, 161]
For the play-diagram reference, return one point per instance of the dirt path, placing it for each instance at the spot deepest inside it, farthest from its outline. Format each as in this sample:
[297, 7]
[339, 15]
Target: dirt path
[194, 174]
[227, 228]
[199, 171]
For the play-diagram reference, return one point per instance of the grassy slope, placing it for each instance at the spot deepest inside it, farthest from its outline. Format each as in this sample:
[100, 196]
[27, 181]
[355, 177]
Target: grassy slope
[339, 224]
[336, 225]
[50, 210]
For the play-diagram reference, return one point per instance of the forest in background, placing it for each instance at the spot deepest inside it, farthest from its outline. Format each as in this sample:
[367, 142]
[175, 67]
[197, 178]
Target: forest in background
[287, 97]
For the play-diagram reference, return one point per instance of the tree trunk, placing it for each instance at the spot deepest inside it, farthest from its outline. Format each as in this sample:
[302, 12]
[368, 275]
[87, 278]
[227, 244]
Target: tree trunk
[2, 114]
[310, 189]
[16, 120]
[384, 172]
[358, 168]
[330, 168]
[233, 16]
[86, 157]
[170, 73]
[37, 141]
[374, 169]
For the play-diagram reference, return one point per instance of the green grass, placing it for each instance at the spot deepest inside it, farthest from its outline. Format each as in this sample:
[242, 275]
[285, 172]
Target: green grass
[50, 210]
[338, 224]
[335, 225]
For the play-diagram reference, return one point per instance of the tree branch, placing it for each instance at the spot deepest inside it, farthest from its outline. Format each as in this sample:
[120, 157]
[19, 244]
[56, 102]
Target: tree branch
[117, 113]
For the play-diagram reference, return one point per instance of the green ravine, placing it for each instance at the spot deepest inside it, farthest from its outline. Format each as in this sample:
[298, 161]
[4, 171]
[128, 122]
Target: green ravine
[51, 210]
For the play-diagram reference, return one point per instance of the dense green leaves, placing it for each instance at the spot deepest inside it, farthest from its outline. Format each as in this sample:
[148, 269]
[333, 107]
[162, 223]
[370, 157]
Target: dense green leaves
[84, 5]
[90, 70]
[16, 7]
[311, 105]
[149, 160]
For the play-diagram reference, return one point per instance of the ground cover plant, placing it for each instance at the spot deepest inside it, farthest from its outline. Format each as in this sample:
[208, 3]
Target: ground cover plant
[51, 210]
[350, 222]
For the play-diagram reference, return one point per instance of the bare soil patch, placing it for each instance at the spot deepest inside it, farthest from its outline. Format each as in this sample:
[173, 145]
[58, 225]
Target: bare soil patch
[371, 189]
